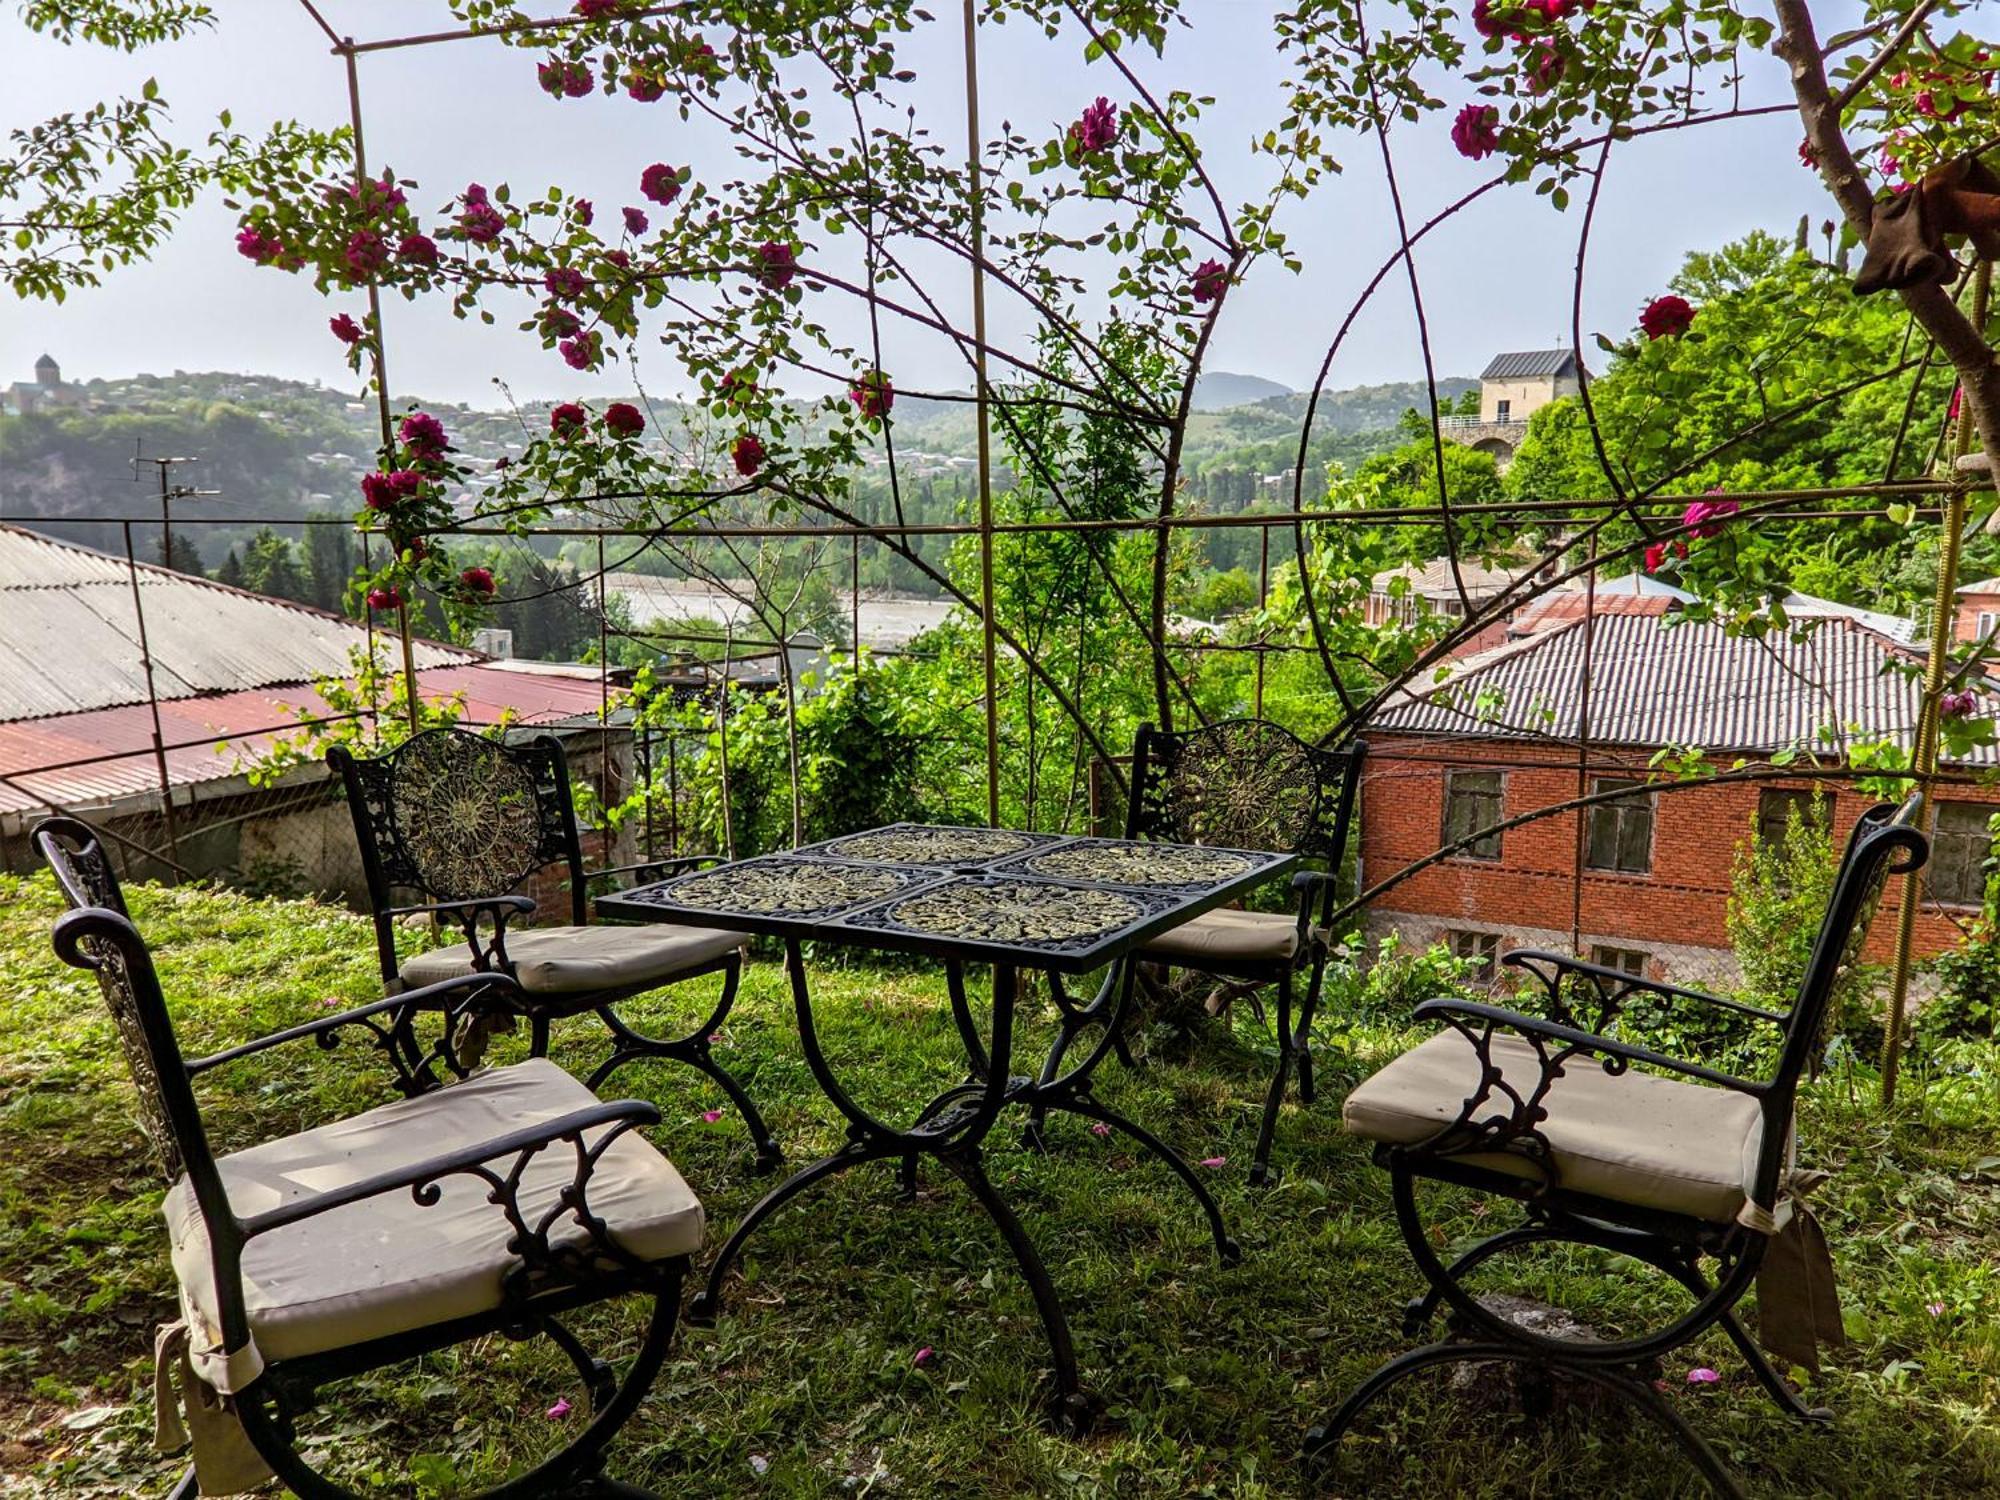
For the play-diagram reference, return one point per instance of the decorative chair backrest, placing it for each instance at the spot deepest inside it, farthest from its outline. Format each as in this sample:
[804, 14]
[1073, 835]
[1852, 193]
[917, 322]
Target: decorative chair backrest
[98, 935]
[455, 815]
[1243, 784]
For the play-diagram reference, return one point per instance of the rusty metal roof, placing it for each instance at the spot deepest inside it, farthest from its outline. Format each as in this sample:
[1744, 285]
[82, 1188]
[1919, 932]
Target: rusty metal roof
[1654, 684]
[69, 633]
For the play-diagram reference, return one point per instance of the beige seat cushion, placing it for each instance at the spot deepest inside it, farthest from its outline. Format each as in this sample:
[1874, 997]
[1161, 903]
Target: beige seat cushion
[1227, 937]
[387, 1264]
[576, 960]
[1636, 1138]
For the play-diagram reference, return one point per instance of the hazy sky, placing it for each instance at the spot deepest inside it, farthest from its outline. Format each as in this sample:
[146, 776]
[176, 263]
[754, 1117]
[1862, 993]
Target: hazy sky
[1499, 278]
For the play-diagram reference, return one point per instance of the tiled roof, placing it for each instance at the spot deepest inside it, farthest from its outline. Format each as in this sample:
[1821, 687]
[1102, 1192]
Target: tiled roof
[1653, 684]
[69, 637]
[1530, 362]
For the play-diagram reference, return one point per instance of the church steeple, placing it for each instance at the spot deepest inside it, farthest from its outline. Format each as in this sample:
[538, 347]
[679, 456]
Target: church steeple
[47, 371]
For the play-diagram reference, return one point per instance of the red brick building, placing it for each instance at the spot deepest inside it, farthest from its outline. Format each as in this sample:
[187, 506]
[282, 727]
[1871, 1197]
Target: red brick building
[1640, 882]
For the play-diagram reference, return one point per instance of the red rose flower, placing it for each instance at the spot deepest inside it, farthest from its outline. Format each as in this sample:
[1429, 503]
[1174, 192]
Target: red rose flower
[584, 352]
[644, 86]
[1666, 317]
[418, 250]
[1546, 67]
[776, 265]
[367, 252]
[477, 581]
[873, 394]
[481, 222]
[565, 281]
[748, 455]
[385, 598]
[623, 419]
[568, 419]
[423, 434]
[636, 221]
[660, 182]
[1210, 279]
[1096, 129]
[592, 10]
[256, 245]
[1809, 155]
[346, 329]
[1706, 516]
[1485, 22]
[1476, 131]
[559, 322]
[564, 80]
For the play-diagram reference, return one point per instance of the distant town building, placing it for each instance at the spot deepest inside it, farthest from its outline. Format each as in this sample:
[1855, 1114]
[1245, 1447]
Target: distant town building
[1978, 611]
[1641, 883]
[1512, 388]
[47, 389]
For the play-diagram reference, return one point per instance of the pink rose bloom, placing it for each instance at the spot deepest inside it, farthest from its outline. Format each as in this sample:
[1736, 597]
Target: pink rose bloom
[644, 86]
[477, 581]
[660, 182]
[636, 222]
[564, 80]
[923, 1356]
[1809, 155]
[565, 281]
[873, 394]
[423, 434]
[1666, 317]
[1705, 517]
[1211, 279]
[567, 419]
[1545, 69]
[387, 598]
[559, 322]
[345, 329]
[256, 245]
[1960, 705]
[618, 258]
[1097, 128]
[481, 222]
[623, 419]
[367, 252]
[776, 265]
[376, 493]
[418, 250]
[583, 352]
[1484, 21]
[1476, 131]
[748, 455]
[1655, 555]
[585, 211]
[592, 10]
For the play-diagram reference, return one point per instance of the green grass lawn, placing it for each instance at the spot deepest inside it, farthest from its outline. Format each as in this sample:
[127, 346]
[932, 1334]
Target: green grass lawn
[809, 1385]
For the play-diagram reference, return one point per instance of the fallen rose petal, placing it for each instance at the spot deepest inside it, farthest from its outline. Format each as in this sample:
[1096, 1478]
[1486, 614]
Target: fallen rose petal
[1215, 1161]
[1702, 1375]
[924, 1356]
[710, 1116]
[560, 1410]
[1935, 1309]
[1100, 1128]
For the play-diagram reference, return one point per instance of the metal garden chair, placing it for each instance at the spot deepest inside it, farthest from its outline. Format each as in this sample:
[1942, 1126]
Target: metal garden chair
[1608, 1143]
[461, 820]
[488, 1204]
[1250, 784]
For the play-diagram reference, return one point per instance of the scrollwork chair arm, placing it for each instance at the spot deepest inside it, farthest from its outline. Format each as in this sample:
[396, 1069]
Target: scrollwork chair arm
[654, 868]
[623, 1113]
[1584, 1041]
[1563, 963]
[431, 997]
[502, 908]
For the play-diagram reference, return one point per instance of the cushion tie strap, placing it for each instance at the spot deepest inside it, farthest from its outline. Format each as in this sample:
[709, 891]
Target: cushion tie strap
[1798, 1305]
[186, 1408]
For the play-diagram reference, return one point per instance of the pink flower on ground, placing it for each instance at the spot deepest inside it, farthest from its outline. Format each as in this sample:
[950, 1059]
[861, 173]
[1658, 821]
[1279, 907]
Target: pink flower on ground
[711, 1116]
[623, 419]
[1097, 128]
[1211, 279]
[660, 182]
[923, 1356]
[418, 250]
[567, 419]
[387, 598]
[1215, 1161]
[1476, 131]
[565, 281]
[1099, 1128]
[1666, 317]
[256, 245]
[715, 1039]
[345, 329]
[1705, 517]
[560, 1410]
[1935, 1309]
[776, 265]
[644, 86]
[477, 581]
[423, 434]
[584, 352]
[636, 221]
[747, 453]
[873, 394]
[1702, 1375]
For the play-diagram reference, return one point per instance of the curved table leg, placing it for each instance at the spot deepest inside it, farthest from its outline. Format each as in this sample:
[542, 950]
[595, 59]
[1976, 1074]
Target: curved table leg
[704, 1305]
[1073, 1409]
[1226, 1249]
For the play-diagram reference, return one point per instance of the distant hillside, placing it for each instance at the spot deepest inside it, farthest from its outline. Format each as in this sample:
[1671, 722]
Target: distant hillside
[1218, 390]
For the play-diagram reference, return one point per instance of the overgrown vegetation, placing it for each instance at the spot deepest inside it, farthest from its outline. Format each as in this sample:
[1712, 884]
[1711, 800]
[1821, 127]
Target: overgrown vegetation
[809, 1385]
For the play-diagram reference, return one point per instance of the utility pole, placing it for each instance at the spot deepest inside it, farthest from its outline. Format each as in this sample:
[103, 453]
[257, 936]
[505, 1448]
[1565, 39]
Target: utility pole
[169, 493]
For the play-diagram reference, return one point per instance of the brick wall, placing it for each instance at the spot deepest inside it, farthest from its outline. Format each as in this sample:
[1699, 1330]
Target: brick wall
[1533, 894]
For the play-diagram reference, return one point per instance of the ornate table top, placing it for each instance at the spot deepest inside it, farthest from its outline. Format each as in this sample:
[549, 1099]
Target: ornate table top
[989, 895]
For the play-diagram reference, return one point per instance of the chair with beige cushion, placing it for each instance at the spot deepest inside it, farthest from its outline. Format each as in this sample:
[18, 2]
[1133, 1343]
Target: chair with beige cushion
[1250, 784]
[492, 1204]
[1608, 1143]
[461, 820]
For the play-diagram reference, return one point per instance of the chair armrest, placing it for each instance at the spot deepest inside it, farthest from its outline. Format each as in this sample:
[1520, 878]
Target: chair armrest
[500, 907]
[430, 997]
[1452, 1011]
[655, 866]
[422, 1177]
[1563, 963]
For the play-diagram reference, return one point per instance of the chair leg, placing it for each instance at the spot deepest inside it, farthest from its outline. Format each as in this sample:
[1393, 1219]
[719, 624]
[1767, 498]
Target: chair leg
[1773, 1383]
[1302, 1039]
[1274, 1098]
[187, 1489]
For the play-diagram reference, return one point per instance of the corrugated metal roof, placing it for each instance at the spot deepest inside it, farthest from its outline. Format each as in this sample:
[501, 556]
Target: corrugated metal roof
[69, 635]
[1652, 684]
[1530, 362]
[250, 721]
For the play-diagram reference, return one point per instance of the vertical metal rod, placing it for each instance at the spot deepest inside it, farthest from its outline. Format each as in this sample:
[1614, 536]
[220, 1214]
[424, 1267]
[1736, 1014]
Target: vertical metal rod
[153, 704]
[1926, 749]
[1583, 814]
[1263, 603]
[166, 521]
[603, 686]
[854, 598]
[985, 425]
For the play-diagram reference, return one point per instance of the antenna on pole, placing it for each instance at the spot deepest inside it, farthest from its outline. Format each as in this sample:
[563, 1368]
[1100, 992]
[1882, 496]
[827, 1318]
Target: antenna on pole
[169, 493]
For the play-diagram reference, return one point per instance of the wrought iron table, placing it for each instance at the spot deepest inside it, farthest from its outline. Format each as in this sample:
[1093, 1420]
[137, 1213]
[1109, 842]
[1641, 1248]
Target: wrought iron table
[1061, 905]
